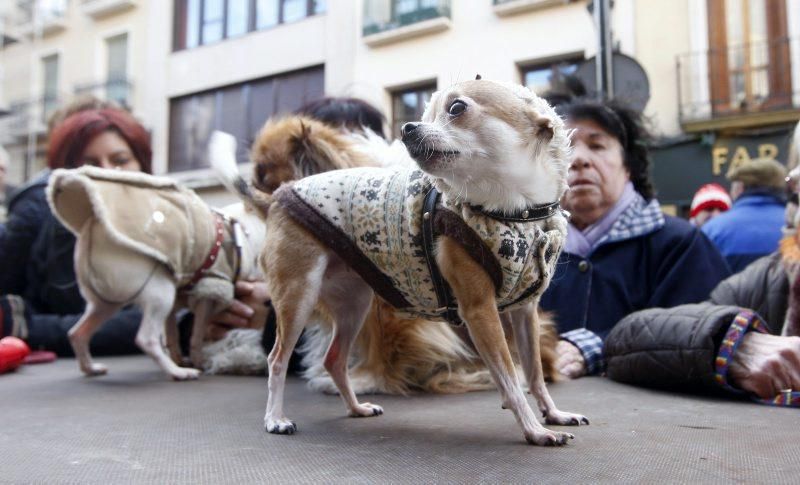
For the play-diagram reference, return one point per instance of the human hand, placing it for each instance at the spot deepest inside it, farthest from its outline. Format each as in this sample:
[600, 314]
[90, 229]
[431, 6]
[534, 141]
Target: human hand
[766, 364]
[248, 310]
[570, 361]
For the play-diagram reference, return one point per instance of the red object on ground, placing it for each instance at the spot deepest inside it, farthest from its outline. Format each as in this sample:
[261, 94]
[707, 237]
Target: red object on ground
[39, 357]
[12, 352]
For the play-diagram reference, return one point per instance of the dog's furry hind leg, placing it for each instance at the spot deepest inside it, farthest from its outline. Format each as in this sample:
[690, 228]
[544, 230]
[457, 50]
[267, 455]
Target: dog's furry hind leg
[156, 301]
[348, 298]
[81, 334]
[294, 301]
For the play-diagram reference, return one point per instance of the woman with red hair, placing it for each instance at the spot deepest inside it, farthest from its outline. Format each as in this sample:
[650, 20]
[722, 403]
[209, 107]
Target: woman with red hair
[108, 138]
[41, 301]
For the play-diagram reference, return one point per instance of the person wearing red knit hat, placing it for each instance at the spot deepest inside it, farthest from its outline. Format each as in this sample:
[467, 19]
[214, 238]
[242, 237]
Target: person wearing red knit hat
[709, 201]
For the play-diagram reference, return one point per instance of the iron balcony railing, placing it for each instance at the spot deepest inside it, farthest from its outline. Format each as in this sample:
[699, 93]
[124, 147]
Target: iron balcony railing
[385, 15]
[119, 90]
[26, 116]
[47, 11]
[739, 79]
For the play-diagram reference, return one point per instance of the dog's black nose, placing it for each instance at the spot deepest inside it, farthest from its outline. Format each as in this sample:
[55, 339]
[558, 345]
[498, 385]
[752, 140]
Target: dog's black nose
[408, 128]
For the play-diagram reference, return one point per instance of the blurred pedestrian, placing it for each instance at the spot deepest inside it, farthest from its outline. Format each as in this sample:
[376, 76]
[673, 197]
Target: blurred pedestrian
[5, 188]
[708, 202]
[752, 227]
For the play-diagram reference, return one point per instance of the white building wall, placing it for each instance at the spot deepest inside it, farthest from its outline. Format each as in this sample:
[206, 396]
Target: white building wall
[478, 42]
[662, 33]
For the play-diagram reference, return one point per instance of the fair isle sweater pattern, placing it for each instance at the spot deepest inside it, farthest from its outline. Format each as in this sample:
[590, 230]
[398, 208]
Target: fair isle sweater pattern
[379, 211]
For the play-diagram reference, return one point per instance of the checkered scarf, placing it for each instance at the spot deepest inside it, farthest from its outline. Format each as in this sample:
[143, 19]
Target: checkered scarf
[639, 219]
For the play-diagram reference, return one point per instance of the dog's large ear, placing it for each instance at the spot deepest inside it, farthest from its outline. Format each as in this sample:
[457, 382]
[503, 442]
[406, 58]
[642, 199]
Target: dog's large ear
[542, 125]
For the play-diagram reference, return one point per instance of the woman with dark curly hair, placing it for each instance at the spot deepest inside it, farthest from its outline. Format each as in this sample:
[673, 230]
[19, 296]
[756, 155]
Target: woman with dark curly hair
[622, 253]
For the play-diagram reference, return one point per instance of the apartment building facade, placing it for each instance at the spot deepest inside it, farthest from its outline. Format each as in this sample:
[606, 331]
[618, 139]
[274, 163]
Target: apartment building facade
[199, 65]
[52, 50]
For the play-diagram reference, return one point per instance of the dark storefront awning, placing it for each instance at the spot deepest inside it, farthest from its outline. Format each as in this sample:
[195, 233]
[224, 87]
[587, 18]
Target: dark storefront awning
[682, 166]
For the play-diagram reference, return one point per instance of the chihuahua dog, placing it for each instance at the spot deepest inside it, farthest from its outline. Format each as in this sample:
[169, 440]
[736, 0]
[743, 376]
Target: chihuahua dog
[393, 354]
[473, 237]
[148, 241]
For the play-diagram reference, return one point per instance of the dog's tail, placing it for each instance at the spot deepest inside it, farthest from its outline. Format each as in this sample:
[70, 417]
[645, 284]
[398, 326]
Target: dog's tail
[222, 155]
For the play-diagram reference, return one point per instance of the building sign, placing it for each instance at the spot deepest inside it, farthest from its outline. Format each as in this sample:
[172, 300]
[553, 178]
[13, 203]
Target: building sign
[729, 153]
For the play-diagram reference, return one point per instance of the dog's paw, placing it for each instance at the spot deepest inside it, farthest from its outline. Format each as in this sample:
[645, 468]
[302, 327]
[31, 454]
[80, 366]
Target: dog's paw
[95, 369]
[365, 410]
[280, 426]
[185, 374]
[565, 419]
[548, 438]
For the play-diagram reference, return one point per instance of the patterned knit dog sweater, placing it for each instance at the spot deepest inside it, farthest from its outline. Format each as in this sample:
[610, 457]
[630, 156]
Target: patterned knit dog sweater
[372, 218]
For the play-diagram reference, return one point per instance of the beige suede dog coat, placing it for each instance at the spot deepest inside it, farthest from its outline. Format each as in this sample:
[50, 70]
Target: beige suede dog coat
[372, 218]
[153, 216]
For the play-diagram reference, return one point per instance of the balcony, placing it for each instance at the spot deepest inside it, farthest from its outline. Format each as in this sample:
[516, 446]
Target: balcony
[739, 86]
[98, 9]
[119, 90]
[388, 21]
[43, 18]
[25, 117]
[503, 8]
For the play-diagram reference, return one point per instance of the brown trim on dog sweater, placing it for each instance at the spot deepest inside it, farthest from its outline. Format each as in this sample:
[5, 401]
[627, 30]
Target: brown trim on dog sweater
[337, 241]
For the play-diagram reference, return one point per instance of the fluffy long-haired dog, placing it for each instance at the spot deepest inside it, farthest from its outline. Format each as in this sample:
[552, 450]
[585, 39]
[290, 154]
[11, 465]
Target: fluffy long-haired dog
[148, 241]
[393, 354]
[473, 237]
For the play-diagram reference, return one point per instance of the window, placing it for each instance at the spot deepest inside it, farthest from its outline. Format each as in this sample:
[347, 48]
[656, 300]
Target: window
[212, 22]
[117, 76]
[50, 85]
[545, 77]
[240, 109]
[201, 22]
[748, 58]
[408, 105]
[238, 18]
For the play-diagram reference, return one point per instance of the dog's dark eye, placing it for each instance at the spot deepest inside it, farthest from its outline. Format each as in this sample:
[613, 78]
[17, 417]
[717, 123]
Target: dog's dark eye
[457, 108]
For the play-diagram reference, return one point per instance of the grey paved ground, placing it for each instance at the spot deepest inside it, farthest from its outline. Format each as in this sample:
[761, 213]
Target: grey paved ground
[133, 426]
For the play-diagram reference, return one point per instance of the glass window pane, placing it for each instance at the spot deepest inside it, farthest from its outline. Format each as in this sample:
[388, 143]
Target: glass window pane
[117, 48]
[117, 76]
[238, 13]
[409, 106]
[50, 75]
[212, 20]
[266, 14]
[294, 10]
[320, 6]
[538, 80]
[544, 78]
[404, 6]
[192, 23]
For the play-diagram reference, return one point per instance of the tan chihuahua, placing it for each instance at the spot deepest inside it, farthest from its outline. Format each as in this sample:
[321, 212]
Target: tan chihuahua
[473, 237]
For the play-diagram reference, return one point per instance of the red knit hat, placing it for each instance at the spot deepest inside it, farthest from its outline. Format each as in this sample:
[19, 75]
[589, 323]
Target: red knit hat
[710, 196]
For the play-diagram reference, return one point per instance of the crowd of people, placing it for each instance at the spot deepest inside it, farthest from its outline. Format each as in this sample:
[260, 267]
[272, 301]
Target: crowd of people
[646, 298]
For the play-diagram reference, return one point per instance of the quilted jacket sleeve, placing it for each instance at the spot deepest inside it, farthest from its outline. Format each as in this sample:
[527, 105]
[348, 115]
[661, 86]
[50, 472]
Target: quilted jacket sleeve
[762, 286]
[673, 347]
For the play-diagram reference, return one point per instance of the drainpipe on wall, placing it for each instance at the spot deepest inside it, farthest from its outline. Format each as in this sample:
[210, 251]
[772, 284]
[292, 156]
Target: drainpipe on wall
[604, 71]
[30, 158]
